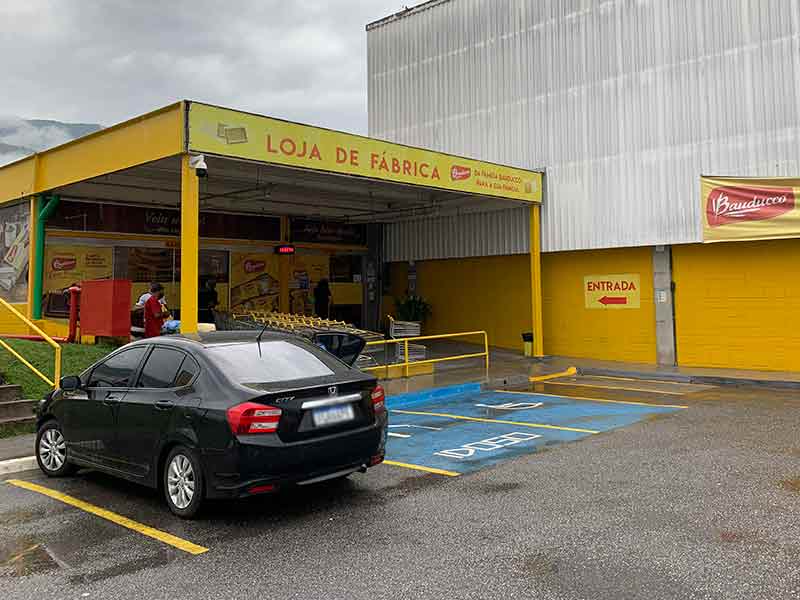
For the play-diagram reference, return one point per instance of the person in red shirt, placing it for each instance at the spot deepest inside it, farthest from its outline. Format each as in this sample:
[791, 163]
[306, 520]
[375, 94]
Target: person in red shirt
[155, 313]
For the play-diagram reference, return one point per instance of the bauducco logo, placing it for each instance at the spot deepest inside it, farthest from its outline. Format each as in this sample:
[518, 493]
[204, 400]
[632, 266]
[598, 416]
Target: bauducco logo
[457, 173]
[737, 204]
[254, 266]
[61, 263]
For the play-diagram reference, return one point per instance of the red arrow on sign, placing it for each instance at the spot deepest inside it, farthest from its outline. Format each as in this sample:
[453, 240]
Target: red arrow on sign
[613, 300]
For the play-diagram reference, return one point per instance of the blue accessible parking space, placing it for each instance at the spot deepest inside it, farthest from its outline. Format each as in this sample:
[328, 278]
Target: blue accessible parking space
[463, 429]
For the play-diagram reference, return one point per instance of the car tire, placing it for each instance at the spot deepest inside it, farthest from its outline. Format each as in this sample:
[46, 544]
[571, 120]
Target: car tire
[51, 450]
[182, 481]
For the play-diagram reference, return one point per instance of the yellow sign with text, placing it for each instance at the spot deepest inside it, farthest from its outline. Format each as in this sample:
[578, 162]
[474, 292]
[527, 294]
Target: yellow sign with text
[612, 291]
[66, 265]
[242, 135]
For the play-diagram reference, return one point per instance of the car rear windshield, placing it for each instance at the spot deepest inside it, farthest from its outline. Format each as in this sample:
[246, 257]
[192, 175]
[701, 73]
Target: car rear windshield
[278, 360]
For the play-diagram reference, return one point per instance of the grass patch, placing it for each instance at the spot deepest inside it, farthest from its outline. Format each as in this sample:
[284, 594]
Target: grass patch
[74, 359]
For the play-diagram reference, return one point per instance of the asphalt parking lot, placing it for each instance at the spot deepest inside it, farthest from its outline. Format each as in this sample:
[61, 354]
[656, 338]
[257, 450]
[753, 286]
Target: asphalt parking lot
[660, 502]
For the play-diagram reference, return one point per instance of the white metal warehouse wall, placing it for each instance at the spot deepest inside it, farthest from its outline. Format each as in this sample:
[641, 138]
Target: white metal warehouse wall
[499, 232]
[625, 102]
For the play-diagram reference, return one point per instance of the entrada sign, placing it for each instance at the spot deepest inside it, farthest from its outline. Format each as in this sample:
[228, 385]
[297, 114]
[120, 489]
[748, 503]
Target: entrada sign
[612, 291]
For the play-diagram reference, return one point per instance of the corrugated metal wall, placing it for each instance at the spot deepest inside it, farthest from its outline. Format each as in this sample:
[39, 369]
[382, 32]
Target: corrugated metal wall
[495, 233]
[624, 102]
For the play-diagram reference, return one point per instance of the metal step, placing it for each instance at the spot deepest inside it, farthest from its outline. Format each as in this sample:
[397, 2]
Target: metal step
[17, 409]
[10, 392]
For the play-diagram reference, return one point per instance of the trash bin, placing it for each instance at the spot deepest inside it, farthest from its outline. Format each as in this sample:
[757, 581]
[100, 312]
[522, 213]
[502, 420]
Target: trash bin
[527, 343]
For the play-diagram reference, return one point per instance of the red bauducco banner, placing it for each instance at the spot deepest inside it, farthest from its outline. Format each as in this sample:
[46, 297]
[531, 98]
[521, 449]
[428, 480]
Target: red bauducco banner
[749, 209]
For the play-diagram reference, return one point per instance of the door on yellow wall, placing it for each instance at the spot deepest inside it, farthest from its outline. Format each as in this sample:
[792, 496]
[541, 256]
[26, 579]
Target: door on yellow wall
[305, 272]
[589, 306]
[736, 304]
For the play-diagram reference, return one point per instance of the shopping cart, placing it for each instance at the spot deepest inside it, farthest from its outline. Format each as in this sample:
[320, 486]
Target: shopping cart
[406, 329]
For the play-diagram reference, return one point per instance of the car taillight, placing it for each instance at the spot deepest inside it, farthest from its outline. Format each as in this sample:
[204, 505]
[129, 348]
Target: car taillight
[250, 417]
[378, 400]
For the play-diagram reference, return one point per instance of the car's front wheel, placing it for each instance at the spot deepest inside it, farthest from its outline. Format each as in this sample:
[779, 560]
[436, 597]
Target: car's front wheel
[183, 482]
[51, 450]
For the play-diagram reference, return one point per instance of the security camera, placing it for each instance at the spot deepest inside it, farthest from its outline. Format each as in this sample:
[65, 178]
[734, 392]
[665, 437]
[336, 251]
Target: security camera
[198, 163]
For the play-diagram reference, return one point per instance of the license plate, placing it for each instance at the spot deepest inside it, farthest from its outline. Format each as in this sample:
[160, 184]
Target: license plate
[330, 415]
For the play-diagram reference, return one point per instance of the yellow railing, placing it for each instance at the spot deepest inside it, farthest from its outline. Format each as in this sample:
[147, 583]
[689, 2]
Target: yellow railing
[45, 337]
[405, 341]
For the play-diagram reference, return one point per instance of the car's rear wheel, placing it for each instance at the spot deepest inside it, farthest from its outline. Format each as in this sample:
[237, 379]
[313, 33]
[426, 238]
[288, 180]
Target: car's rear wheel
[51, 450]
[183, 482]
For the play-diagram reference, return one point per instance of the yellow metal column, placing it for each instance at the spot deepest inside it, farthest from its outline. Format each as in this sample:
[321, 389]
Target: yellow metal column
[536, 280]
[190, 245]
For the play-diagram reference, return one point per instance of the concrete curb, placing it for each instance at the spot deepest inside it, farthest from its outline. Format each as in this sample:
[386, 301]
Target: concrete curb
[501, 382]
[673, 377]
[697, 379]
[17, 465]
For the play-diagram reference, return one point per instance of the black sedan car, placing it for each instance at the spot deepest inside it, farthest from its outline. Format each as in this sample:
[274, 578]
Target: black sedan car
[227, 415]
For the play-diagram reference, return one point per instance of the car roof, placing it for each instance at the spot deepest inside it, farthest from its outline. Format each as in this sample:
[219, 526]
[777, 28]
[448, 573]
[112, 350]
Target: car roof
[216, 338]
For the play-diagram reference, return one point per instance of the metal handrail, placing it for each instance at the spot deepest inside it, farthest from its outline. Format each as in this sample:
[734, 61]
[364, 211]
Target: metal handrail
[406, 363]
[56, 347]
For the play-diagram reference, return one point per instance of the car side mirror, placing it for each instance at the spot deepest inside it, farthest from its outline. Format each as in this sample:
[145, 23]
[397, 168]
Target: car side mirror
[70, 383]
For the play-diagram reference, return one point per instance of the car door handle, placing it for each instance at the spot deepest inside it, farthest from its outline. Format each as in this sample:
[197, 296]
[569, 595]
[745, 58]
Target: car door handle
[110, 399]
[163, 404]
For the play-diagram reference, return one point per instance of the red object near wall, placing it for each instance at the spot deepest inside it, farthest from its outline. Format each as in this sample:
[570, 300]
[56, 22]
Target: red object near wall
[106, 307]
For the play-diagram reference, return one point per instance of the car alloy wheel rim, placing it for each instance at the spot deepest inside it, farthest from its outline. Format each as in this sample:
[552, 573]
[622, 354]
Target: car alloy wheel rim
[180, 481]
[52, 449]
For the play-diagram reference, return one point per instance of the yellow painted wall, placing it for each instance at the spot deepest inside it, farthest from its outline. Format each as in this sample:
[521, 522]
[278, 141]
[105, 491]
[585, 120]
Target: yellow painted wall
[571, 329]
[9, 324]
[490, 293]
[737, 304]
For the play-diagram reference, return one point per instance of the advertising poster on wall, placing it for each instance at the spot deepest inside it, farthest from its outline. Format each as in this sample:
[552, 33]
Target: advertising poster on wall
[14, 243]
[255, 282]
[749, 209]
[65, 265]
[306, 271]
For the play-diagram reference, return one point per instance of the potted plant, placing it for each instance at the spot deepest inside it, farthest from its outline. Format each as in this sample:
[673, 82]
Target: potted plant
[412, 311]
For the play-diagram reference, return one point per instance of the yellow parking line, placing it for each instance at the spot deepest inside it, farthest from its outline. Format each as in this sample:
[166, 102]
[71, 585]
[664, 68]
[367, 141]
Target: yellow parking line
[161, 536]
[498, 421]
[614, 387]
[394, 463]
[614, 377]
[567, 373]
[593, 399]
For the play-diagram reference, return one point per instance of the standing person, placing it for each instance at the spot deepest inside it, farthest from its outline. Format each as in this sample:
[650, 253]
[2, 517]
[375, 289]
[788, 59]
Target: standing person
[322, 299]
[139, 306]
[155, 313]
[207, 301]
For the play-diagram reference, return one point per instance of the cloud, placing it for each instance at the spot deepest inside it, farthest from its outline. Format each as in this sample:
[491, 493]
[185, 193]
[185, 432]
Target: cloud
[17, 132]
[108, 61]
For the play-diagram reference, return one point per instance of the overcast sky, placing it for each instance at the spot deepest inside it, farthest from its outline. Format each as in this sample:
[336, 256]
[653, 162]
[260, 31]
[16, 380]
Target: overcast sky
[105, 61]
